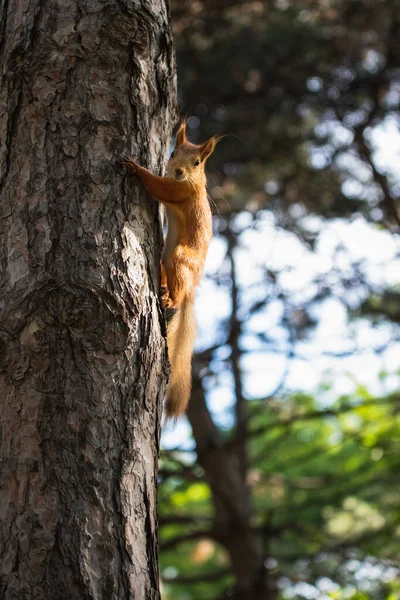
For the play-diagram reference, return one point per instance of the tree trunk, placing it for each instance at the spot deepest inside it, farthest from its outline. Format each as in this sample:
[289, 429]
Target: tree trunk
[233, 527]
[84, 83]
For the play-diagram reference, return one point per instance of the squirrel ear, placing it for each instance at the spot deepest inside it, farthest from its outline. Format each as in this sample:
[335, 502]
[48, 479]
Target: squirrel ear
[180, 137]
[208, 147]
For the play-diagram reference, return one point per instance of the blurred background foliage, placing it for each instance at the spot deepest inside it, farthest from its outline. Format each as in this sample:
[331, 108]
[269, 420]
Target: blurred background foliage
[285, 485]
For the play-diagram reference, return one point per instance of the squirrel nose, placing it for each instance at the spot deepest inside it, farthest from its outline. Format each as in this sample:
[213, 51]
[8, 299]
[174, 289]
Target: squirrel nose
[179, 171]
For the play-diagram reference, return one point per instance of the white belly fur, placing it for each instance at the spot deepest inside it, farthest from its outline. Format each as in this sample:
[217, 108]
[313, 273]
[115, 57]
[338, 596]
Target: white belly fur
[172, 235]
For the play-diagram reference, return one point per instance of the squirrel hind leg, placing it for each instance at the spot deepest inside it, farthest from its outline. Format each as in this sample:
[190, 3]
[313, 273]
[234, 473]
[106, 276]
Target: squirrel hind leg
[167, 302]
[180, 284]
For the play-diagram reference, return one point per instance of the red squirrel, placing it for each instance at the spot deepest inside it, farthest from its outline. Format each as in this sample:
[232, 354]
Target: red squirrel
[183, 192]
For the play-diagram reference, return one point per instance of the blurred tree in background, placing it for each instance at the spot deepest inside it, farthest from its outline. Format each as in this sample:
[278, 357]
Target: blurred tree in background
[302, 85]
[289, 487]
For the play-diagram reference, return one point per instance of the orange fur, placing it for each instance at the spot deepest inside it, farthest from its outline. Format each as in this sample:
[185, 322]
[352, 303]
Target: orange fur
[183, 192]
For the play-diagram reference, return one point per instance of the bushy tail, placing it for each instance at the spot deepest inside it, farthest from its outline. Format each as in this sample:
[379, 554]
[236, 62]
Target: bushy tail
[181, 334]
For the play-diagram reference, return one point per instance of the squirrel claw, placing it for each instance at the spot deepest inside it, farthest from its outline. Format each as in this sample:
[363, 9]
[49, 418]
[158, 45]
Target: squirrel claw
[166, 301]
[130, 164]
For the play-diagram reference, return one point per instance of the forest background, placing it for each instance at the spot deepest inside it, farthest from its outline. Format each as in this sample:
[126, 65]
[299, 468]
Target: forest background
[294, 458]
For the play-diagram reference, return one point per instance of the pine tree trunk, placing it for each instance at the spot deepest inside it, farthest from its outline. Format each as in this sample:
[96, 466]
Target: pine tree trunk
[232, 527]
[84, 83]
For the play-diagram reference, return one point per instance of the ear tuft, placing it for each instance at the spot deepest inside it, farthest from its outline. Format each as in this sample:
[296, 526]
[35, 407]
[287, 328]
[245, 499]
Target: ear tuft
[208, 147]
[180, 137]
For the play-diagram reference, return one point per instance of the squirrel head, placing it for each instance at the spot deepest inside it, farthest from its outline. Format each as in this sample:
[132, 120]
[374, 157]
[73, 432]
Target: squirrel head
[187, 161]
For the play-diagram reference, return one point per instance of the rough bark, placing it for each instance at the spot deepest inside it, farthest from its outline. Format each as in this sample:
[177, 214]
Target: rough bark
[82, 353]
[233, 527]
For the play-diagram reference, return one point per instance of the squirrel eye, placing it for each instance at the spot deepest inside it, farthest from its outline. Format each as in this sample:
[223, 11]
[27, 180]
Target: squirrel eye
[172, 154]
[197, 162]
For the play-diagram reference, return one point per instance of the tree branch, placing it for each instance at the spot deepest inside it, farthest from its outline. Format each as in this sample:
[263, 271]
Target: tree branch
[201, 577]
[186, 537]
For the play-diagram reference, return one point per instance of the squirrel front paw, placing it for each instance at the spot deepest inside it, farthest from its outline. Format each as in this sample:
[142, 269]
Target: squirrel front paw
[131, 165]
